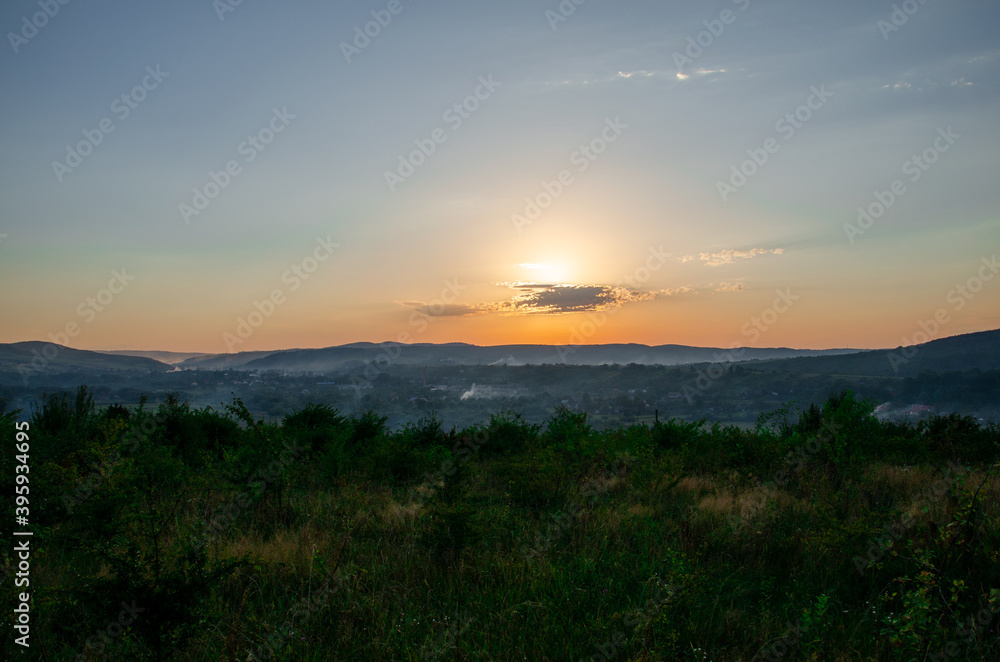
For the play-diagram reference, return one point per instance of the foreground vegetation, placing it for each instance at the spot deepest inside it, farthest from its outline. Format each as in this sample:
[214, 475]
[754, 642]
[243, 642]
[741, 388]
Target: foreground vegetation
[821, 534]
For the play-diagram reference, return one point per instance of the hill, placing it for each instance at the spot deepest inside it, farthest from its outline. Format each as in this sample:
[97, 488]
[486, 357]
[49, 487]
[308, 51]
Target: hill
[24, 358]
[960, 353]
[170, 358]
[355, 355]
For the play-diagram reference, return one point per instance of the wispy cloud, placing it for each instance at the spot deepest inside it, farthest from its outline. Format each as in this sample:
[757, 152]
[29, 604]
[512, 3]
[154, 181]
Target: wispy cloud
[620, 76]
[443, 309]
[731, 256]
[698, 73]
[549, 299]
[958, 71]
[640, 74]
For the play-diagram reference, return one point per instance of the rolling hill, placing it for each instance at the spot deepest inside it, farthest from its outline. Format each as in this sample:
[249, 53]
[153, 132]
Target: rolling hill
[170, 358]
[953, 354]
[34, 356]
[346, 357]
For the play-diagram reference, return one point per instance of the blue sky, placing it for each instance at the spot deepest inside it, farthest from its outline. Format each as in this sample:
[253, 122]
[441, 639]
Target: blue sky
[450, 232]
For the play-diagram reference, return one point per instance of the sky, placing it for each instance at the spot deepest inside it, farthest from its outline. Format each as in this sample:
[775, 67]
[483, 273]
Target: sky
[204, 176]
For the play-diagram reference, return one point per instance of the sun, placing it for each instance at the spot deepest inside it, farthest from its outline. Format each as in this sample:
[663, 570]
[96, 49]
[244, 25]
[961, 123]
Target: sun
[544, 272]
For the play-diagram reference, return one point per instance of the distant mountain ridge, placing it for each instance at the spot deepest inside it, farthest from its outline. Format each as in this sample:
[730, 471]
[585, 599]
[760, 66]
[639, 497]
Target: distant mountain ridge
[957, 353]
[33, 357]
[355, 355]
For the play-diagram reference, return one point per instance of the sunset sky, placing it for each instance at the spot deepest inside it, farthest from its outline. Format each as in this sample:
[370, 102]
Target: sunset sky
[196, 176]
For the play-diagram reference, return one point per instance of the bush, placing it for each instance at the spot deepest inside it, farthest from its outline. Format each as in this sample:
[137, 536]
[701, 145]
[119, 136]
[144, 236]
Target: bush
[425, 434]
[675, 433]
[509, 433]
[568, 432]
[316, 426]
[955, 437]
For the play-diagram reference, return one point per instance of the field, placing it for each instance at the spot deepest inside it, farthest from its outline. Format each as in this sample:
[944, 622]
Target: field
[178, 533]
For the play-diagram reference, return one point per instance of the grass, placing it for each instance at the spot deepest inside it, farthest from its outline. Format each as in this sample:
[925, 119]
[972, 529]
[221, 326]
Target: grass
[653, 542]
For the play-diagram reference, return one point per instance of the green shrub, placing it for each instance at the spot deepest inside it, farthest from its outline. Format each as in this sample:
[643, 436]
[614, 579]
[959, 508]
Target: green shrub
[509, 433]
[568, 432]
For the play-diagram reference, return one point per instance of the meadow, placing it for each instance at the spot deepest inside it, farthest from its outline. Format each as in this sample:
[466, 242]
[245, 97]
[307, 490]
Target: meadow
[822, 533]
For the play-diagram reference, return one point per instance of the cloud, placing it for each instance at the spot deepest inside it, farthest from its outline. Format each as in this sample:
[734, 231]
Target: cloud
[559, 299]
[443, 309]
[604, 76]
[549, 299]
[730, 256]
[642, 74]
[528, 286]
[726, 286]
[939, 76]
[699, 73]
